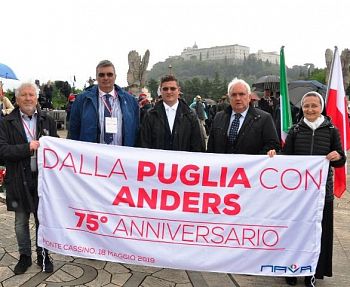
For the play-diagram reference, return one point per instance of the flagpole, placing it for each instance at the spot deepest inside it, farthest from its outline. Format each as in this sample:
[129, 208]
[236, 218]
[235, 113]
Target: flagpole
[330, 73]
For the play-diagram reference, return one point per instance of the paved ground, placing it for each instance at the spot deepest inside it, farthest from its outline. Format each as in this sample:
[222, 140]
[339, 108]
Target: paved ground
[71, 271]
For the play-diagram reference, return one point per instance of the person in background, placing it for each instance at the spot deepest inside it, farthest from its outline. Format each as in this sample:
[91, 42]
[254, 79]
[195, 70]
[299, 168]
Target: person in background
[254, 99]
[315, 134]
[105, 113]
[144, 105]
[241, 128]
[6, 106]
[171, 124]
[48, 93]
[19, 141]
[199, 109]
[71, 99]
[268, 102]
[222, 104]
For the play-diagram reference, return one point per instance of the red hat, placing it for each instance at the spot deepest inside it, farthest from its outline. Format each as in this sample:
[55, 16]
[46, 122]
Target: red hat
[71, 97]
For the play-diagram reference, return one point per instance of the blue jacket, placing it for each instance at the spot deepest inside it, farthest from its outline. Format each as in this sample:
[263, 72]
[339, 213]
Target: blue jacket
[84, 119]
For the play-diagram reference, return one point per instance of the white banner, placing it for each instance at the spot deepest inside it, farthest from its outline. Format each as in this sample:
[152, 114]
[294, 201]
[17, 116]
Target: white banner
[196, 211]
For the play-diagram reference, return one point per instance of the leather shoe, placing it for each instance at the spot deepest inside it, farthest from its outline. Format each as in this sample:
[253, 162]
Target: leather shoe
[45, 263]
[24, 262]
[292, 281]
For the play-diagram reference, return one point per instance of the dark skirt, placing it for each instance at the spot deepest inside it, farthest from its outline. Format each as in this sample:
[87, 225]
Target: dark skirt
[324, 265]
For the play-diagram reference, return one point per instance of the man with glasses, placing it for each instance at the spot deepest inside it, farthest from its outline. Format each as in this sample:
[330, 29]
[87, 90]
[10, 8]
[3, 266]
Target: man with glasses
[105, 113]
[171, 124]
[241, 128]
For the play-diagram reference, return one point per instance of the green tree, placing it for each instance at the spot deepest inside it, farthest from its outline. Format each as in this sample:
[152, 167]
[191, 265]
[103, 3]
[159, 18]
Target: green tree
[318, 75]
[152, 85]
[217, 87]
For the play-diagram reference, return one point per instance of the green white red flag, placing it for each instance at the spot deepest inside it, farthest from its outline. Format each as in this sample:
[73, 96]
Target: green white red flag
[336, 108]
[286, 115]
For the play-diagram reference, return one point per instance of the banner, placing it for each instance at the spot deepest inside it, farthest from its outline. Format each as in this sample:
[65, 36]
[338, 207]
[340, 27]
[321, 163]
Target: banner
[196, 211]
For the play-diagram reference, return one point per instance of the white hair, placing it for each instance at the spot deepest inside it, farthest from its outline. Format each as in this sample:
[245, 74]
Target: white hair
[26, 85]
[236, 81]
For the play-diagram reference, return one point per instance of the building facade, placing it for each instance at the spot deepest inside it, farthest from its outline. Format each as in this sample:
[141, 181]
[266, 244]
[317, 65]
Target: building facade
[272, 57]
[231, 53]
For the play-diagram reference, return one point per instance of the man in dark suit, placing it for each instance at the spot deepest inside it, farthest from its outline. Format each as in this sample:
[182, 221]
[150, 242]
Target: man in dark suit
[241, 128]
[171, 124]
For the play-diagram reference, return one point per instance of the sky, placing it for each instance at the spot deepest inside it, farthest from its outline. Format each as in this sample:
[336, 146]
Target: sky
[57, 39]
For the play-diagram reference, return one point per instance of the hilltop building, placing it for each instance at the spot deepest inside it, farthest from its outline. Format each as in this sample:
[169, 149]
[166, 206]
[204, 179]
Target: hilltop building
[272, 57]
[231, 53]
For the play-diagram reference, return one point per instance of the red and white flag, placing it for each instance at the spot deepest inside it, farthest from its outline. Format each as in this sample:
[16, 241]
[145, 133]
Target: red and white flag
[336, 108]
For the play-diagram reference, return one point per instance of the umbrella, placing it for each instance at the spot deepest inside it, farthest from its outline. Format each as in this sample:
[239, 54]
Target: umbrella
[210, 102]
[6, 72]
[270, 82]
[297, 89]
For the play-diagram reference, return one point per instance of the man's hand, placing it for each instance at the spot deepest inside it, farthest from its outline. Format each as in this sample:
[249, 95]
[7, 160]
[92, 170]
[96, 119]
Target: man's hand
[34, 145]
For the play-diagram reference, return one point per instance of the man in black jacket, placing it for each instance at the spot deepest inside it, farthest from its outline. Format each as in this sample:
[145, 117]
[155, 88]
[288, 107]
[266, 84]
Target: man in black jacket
[171, 124]
[241, 128]
[19, 141]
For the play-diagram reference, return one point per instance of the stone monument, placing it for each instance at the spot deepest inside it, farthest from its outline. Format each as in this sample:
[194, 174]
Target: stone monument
[136, 76]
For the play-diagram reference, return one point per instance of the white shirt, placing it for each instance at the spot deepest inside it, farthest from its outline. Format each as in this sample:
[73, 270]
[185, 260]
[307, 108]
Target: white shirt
[116, 112]
[29, 125]
[241, 120]
[171, 114]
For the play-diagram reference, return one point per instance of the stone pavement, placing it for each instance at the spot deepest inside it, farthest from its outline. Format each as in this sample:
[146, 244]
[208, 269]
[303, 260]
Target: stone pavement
[72, 271]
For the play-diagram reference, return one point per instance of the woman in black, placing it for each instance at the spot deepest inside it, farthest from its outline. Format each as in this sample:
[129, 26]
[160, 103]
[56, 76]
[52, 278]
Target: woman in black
[315, 134]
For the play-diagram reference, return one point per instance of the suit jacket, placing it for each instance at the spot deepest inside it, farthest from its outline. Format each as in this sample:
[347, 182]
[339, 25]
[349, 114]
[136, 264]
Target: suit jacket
[155, 131]
[20, 182]
[256, 136]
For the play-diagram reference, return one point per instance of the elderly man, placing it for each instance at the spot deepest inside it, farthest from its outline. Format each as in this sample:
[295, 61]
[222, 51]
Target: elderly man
[19, 141]
[171, 124]
[105, 113]
[241, 128]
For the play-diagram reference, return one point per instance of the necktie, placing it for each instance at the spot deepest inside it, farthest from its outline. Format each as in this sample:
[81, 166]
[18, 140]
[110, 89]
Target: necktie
[108, 137]
[232, 135]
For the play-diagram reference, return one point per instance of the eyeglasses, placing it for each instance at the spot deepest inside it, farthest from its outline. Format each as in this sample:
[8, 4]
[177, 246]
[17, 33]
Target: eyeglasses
[102, 75]
[165, 89]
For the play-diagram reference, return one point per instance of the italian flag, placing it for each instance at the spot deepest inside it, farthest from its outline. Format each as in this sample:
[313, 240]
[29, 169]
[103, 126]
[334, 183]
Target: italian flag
[286, 115]
[336, 108]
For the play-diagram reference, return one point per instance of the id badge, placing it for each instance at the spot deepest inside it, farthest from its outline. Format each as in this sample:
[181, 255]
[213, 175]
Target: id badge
[111, 125]
[33, 162]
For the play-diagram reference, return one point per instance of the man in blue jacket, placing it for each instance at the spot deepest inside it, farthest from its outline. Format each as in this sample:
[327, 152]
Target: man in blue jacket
[105, 113]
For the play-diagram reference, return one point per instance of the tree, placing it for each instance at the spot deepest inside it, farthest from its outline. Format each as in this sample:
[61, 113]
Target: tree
[318, 75]
[152, 85]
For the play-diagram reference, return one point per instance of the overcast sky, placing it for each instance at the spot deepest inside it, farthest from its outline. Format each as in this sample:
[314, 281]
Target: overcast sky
[58, 39]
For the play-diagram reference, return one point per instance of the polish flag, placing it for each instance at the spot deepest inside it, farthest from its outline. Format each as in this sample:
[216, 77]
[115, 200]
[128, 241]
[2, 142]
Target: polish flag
[336, 108]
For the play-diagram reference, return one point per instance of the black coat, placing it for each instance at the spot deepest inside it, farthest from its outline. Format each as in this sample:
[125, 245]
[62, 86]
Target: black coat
[21, 187]
[301, 140]
[256, 136]
[155, 131]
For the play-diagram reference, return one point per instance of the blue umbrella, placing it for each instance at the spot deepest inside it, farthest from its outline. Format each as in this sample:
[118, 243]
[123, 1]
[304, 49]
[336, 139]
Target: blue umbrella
[6, 72]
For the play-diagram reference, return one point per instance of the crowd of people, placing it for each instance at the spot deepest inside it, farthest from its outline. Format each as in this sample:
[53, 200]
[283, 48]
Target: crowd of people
[107, 114]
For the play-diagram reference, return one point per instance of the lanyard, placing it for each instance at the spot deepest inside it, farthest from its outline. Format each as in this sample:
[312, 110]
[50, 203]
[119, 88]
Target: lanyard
[107, 107]
[30, 132]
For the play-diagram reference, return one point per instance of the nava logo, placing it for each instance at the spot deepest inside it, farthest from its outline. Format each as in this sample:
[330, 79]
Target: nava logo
[294, 268]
